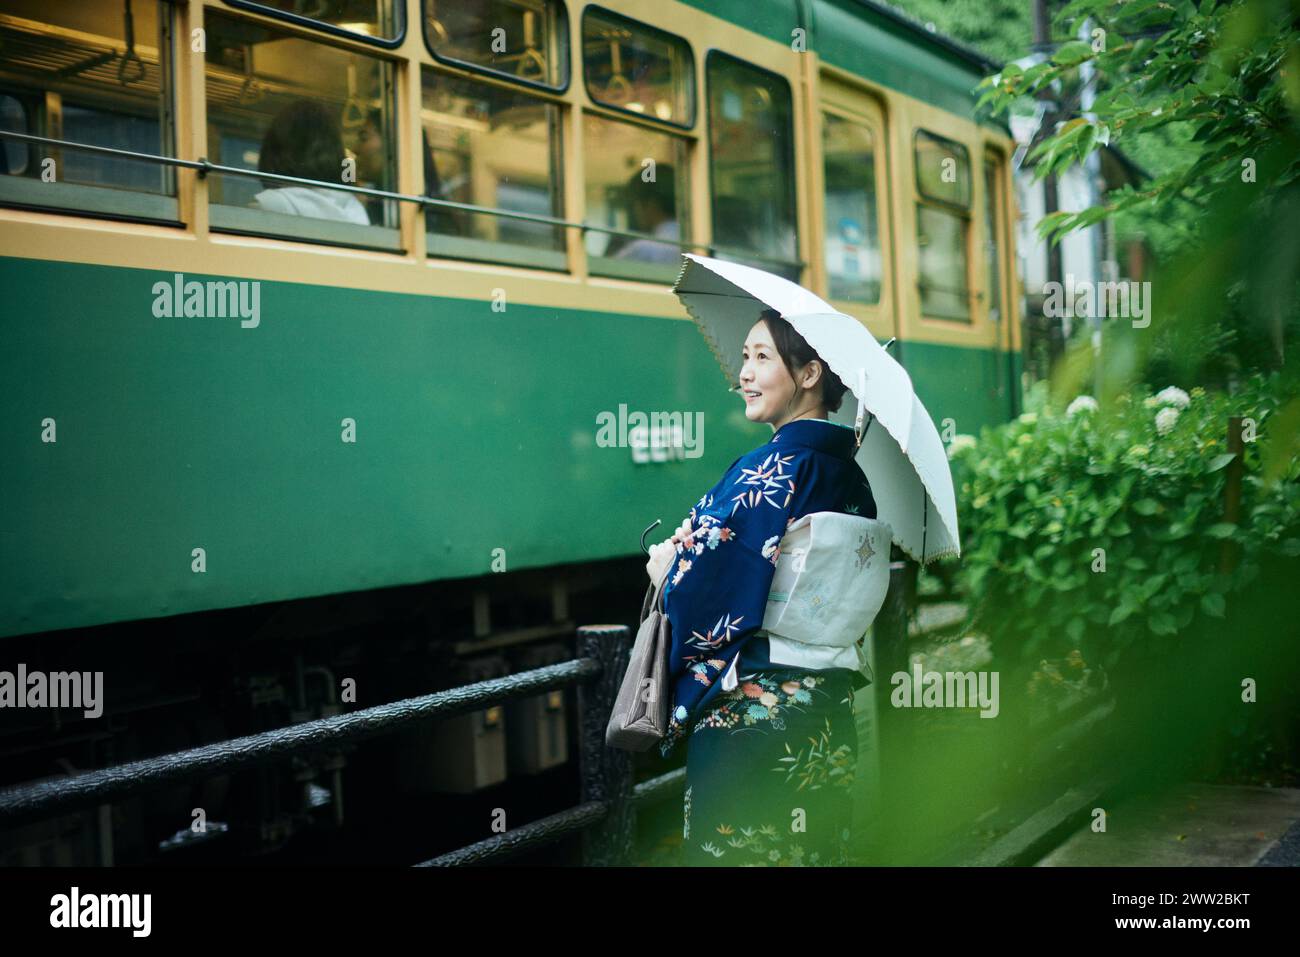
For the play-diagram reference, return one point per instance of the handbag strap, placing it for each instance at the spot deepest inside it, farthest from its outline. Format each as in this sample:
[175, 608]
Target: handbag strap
[645, 603]
[654, 594]
[663, 582]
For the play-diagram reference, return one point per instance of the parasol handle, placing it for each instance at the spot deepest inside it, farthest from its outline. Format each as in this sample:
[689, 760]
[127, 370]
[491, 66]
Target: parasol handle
[862, 405]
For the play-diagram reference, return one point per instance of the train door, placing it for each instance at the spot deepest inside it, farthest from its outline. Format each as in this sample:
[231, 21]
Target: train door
[1000, 292]
[854, 268]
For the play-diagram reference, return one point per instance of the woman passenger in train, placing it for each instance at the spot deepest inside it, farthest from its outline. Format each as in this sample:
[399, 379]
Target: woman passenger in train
[305, 140]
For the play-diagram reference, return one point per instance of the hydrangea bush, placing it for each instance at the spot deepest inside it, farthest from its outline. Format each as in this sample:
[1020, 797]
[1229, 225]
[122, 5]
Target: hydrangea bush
[1087, 529]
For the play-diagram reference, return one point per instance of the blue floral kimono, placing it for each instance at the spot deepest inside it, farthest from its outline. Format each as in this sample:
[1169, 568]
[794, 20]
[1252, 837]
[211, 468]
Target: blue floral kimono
[717, 588]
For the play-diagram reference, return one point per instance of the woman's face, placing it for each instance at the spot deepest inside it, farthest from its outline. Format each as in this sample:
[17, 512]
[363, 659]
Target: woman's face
[372, 158]
[764, 373]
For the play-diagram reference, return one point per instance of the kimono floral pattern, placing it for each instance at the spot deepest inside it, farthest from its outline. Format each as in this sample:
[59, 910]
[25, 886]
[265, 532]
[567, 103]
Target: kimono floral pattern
[706, 532]
[766, 846]
[716, 591]
[766, 482]
[770, 772]
[716, 595]
[770, 761]
[764, 698]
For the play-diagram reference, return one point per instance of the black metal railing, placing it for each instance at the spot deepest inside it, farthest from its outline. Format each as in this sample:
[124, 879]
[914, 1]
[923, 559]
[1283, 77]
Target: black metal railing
[605, 816]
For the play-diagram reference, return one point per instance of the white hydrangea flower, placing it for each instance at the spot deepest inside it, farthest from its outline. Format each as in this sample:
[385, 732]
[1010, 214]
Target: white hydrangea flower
[1172, 395]
[960, 442]
[1165, 419]
[1079, 404]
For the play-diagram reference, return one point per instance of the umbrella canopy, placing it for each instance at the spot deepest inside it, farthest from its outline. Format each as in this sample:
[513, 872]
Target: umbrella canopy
[899, 449]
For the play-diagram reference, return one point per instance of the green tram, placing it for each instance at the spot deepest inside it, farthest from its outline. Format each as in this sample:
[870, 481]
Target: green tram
[313, 309]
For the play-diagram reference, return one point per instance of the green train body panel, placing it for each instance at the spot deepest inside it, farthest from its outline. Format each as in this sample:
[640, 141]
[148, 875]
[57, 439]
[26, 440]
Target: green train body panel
[973, 387]
[866, 42]
[475, 431]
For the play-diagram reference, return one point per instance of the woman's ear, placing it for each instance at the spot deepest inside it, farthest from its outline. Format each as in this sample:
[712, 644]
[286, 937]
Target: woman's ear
[811, 373]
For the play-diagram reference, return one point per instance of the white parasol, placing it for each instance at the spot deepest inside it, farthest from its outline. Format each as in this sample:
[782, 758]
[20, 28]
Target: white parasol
[899, 449]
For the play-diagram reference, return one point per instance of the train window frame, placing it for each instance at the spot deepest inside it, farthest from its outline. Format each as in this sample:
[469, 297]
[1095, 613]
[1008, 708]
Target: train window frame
[958, 147]
[94, 201]
[709, 57]
[5, 142]
[994, 166]
[561, 32]
[875, 126]
[443, 248]
[965, 213]
[234, 220]
[611, 267]
[967, 228]
[297, 19]
[693, 110]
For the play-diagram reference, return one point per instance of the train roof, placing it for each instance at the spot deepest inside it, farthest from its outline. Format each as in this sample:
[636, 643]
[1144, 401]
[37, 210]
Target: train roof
[921, 32]
[877, 42]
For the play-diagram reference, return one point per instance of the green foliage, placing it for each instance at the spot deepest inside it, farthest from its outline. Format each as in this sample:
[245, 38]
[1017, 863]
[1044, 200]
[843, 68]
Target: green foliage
[1093, 530]
[999, 29]
[1228, 71]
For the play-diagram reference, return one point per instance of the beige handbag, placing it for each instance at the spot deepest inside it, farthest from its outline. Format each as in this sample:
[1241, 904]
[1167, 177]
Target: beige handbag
[640, 716]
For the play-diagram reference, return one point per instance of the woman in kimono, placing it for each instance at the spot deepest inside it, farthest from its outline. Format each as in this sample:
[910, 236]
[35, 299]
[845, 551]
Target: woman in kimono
[771, 749]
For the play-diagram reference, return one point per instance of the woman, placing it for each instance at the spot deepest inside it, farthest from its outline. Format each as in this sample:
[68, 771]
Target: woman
[304, 140]
[771, 749]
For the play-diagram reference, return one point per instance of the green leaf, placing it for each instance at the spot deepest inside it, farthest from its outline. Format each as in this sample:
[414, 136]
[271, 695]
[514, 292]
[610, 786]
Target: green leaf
[1212, 604]
[1072, 53]
[1219, 461]
[1163, 623]
[1146, 506]
[1221, 530]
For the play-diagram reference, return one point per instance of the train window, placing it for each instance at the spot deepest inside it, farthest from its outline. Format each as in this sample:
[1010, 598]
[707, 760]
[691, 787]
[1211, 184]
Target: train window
[853, 263]
[637, 181]
[942, 169]
[993, 234]
[526, 41]
[379, 21]
[941, 263]
[14, 154]
[500, 148]
[96, 74]
[751, 165]
[943, 227]
[630, 66]
[283, 104]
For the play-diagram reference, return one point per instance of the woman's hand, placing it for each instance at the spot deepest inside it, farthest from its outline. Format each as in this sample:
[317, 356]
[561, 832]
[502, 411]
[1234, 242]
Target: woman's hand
[682, 533]
[661, 559]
